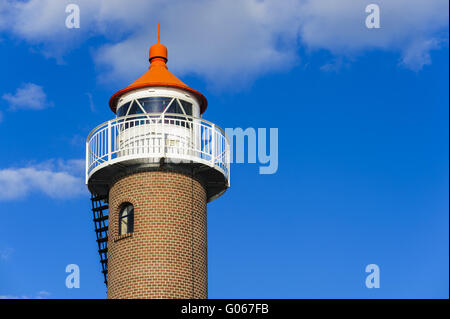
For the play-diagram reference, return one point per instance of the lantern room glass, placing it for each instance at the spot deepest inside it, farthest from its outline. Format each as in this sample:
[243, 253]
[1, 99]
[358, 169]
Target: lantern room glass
[150, 105]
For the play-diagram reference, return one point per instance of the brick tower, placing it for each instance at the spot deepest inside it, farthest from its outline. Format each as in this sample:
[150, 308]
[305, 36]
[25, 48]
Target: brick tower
[151, 172]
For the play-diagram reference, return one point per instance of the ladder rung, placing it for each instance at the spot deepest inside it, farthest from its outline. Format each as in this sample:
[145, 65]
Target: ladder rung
[97, 209]
[101, 229]
[100, 197]
[100, 211]
[102, 240]
[100, 219]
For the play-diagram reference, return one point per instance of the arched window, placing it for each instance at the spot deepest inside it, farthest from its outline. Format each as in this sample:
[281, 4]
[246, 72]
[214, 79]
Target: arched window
[126, 219]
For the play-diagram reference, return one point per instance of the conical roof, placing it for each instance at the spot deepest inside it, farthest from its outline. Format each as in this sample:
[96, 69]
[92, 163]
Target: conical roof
[157, 75]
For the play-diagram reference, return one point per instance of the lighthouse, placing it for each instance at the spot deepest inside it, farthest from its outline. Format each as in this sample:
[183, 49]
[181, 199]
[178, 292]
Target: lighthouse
[151, 172]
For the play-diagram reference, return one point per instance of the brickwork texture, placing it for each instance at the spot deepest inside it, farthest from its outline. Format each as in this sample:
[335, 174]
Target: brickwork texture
[166, 255]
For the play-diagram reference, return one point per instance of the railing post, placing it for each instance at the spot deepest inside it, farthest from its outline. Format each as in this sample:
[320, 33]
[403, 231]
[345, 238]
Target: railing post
[163, 134]
[109, 141]
[228, 159]
[87, 162]
[213, 145]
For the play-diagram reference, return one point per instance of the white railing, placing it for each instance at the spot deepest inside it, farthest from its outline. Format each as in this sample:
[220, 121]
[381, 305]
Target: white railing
[149, 137]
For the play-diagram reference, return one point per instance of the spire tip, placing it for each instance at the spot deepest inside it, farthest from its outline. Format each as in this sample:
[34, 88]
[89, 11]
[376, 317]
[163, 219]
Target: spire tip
[158, 30]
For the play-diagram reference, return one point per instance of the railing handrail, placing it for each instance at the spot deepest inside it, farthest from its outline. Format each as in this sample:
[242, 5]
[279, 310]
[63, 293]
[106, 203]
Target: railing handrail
[155, 115]
[213, 147]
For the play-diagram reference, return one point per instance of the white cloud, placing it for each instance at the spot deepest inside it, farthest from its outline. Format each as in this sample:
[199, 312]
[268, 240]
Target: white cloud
[410, 27]
[40, 295]
[28, 96]
[91, 102]
[226, 42]
[418, 53]
[12, 297]
[230, 42]
[54, 178]
[5, 253]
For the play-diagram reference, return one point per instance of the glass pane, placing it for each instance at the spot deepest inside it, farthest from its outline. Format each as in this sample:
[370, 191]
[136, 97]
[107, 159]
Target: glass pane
[174, 108]
[126, 220]
[187, 107]
[131, 219]
[135, 109]
[122, 111]
[155, 104]
[123, 226]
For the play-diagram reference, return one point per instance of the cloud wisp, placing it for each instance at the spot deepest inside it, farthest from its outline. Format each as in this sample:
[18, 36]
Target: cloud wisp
[40, 295]
[54, 178]
[29, 96]
[5, 253]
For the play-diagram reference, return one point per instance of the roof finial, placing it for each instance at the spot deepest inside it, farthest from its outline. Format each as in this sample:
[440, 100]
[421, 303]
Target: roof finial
[158, 50]
[158, 31]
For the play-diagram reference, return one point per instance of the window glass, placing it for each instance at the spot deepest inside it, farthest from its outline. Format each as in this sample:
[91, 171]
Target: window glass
[174, 108]
[187, 107]
[155, 104]
[135, 109]
[122, 111]
[123, 227]
[126, 219]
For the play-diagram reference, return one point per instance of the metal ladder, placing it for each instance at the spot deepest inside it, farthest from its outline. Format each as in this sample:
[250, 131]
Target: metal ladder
[100, 211]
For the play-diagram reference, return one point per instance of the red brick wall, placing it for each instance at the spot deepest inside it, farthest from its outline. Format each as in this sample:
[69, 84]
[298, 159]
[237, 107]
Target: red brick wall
[165, 257]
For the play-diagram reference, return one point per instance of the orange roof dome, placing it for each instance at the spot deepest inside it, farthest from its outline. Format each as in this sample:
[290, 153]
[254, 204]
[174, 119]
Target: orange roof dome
[157, 75]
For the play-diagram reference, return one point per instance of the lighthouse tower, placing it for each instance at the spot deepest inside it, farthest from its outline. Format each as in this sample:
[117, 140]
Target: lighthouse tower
[151, 171]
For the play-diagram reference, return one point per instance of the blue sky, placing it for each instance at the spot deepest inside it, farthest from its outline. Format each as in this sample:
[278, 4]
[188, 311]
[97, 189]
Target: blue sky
[363, 129]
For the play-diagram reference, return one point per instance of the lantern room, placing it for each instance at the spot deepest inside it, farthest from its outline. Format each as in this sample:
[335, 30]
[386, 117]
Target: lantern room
[158, 125]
